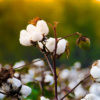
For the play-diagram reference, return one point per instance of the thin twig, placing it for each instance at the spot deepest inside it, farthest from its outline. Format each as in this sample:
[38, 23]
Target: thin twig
[49, 63]
[29, 63]
[76, 86]
[70, 35]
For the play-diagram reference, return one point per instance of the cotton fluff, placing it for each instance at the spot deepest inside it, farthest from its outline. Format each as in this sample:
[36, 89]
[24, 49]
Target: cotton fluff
[25, 91]
[43, 98]
[5, 87]
[50, 44]
[38, 62]
[25, 38]
[95, 89]
[95, 73]
[64, 74]
[14, 82]
[49, 79]
[33, 33]
[42, 26]
[79, 92]
[2, 96]
[90, 97]
[77, 65]
[18, 64]
[61, 46]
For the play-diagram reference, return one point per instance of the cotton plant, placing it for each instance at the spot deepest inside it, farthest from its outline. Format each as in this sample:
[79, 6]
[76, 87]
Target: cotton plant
[62, 82]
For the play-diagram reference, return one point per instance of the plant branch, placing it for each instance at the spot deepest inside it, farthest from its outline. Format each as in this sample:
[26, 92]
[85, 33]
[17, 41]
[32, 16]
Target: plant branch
[70, 35]
[49, 64]
[76, 86]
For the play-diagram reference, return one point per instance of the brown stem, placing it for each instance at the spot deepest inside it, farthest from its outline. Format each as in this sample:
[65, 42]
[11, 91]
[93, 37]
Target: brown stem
[29, 63]
[76, 86]
[49, 63]
[70, 35]
[3, 93]
[54, 64]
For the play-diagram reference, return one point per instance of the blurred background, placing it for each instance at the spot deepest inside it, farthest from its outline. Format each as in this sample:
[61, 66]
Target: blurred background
[73, 16]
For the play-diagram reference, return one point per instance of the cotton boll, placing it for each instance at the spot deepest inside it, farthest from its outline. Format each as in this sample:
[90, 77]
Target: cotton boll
[36, 36]
[25, 91]
[90, 97]
[77, 65]
[95, 89]
[43, 98]
[38, 62]
[95, 73]
[5, 87]
[18, 64]
[25, 38]
[50, 44]
[64, 74]
[31, 72]
[79, 92]
[16, 74]
[30, 28]
[98, 63]
[49, 79]
[40, 45]
[61, 46]
[42, 26]
[2, 96]
[15, 83]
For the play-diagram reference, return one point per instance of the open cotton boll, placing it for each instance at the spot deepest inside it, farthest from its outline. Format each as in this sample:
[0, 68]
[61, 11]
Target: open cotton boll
[36, 36]
[25, 38]
[43, 98]
[50, 44]
[49, 79]
[98, 63]
[90, 97]
[40, 45]
[95, 73]
[25, 91]
[1, 96]
[61, 46]
[77, 65]
[15, 83]
[31, 28]
[18, 64]
[79, 92]
[38, 62]
[42, 26]
[64, 74]
[95, 89]
[5, 87]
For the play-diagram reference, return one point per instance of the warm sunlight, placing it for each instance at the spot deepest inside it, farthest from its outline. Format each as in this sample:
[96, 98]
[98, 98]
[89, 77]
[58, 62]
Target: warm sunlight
[40, 0]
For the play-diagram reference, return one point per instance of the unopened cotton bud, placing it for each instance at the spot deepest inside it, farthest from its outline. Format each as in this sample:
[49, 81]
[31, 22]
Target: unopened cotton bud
[42, 26]
[50, 44]
[64, 74]
[90, 97]
[38, 62]
[14, 82]
[83, 42]
[25, 91]
[43, 98]
[49, 79]
[95, 73]
[61, 46]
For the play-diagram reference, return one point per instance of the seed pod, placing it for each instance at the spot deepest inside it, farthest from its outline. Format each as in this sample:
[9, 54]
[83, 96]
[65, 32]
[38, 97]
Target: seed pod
[83, 42]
